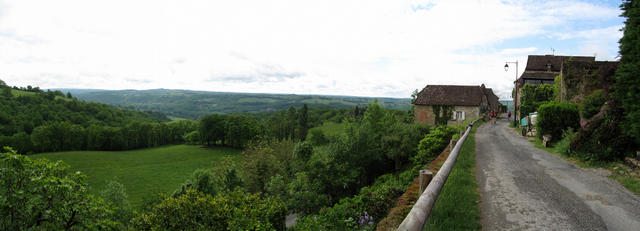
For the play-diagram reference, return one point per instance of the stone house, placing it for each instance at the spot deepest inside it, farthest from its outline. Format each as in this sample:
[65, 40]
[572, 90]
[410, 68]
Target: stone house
[452, 104]
[577, 74]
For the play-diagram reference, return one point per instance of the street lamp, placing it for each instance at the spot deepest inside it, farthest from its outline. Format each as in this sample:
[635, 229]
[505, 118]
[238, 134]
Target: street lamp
[515, 99]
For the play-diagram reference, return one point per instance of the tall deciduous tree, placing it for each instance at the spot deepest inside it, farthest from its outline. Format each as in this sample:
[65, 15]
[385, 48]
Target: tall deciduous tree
[212, 129]
[627, 86]
[303, 122]
[291, 122]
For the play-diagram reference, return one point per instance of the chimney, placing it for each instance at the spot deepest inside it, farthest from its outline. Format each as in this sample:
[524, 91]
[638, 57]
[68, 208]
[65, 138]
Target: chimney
[482, 86]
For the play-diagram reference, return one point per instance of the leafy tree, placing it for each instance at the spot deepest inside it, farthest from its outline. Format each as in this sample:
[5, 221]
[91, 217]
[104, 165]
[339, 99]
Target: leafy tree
[303, 122]
[317, 137]
[192, 137]
[212, 129]
[115, 194]
[533, 96]
[6, 92]
[263, 160]
[627, 86]
[240, 130]
[291, 123]
[306, 196]
[303, 151]
[41, 195]
[222, 177]
[194, 210]
[202, 180]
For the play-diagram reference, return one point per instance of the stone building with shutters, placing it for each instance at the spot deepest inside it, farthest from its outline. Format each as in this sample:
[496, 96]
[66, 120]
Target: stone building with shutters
[452, 104]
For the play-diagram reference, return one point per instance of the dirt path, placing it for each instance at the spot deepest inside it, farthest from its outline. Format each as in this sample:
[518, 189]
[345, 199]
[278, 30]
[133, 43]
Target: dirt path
[525, 188]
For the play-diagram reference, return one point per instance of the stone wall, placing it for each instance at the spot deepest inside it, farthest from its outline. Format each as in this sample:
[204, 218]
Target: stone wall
[580, 79]
[424, 114]
[469, 111]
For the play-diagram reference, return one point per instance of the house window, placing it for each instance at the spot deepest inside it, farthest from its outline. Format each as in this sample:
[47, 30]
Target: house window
[457, 115]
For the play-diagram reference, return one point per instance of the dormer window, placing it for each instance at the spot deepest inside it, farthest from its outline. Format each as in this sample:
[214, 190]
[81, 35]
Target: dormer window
[548, 67]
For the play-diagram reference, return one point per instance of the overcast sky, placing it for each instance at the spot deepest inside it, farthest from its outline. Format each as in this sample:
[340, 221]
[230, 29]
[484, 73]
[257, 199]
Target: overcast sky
[365, 48]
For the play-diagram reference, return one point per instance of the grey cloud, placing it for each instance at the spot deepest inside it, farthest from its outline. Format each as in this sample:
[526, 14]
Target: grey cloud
[11, 34]
[264, 73]
[138, 81]
[257, 77]
[179, 60]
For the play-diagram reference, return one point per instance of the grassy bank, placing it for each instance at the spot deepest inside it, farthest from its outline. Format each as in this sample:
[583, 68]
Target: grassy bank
[143, 171]
[457, 206]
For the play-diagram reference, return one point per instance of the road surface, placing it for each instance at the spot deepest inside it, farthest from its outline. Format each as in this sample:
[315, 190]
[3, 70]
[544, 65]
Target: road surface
[525, 188]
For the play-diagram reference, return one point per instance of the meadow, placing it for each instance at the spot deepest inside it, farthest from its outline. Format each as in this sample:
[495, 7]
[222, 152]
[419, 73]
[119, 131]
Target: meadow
[144, 171]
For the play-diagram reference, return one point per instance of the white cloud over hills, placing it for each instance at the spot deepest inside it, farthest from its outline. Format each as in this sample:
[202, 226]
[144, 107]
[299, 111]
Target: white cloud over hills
[366, 48]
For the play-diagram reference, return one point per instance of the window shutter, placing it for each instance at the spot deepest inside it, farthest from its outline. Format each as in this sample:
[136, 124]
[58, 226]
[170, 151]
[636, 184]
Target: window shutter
[463, 115]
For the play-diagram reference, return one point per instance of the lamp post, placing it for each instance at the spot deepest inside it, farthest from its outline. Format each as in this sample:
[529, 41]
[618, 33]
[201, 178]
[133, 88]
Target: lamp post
[515, 98]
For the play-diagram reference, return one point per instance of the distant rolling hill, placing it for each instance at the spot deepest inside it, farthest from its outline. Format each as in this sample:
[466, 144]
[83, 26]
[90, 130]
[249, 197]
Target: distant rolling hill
[193, 104]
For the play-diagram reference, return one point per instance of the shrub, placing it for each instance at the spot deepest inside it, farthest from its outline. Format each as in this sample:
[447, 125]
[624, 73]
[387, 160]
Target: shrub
[554, 117]
[194, 210]
[563, 145]
[432, 144]
[591, 104]
[361, 211]
[602, 138]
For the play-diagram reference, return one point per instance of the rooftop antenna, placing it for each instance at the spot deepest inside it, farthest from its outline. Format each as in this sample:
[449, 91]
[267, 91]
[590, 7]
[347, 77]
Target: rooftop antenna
[553, 51]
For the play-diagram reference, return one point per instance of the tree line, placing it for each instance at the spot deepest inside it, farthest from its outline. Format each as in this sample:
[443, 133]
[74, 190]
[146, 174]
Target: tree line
[35, 121]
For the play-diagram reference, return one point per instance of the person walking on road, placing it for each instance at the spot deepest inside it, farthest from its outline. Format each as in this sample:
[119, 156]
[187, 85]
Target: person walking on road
[493, 114]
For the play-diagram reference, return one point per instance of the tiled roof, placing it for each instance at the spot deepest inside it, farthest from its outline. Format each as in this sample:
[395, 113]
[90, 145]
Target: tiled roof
[539, 75]
[540, 62]
[492, 98]
[454, 95]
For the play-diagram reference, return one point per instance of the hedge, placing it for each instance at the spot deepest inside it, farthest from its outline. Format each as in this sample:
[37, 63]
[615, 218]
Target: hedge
[554, 117]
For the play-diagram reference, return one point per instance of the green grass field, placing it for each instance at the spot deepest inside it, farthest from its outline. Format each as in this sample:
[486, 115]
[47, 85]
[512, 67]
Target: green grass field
[143, 171]
[17, 93]
[332, 129]
[457, 206]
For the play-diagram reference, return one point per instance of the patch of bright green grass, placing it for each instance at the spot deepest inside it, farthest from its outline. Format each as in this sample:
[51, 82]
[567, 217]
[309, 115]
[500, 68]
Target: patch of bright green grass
[457, 205]
[144, 171]
[173, 118]
[17, 93]
[332, 129]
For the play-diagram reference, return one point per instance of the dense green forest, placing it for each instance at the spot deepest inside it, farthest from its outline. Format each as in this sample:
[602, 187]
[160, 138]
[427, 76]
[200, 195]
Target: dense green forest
[193, 104]
[32, 120]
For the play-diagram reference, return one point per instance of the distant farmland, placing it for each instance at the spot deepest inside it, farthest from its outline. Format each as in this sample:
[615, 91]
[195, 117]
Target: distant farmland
[193, 104]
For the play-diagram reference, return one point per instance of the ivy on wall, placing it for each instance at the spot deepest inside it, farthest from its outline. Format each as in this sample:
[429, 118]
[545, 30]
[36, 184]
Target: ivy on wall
[442, 113]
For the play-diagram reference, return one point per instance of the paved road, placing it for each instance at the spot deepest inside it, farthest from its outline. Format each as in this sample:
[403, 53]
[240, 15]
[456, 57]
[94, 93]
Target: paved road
[525, 188]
